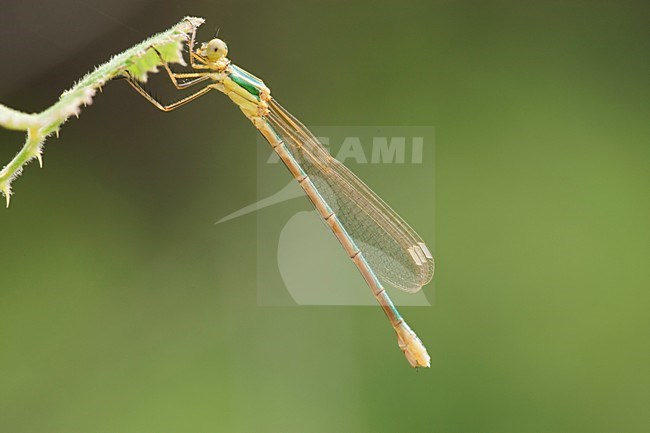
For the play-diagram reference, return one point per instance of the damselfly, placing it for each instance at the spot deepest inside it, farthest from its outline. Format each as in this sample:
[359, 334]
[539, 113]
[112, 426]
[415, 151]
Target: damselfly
[384, 248]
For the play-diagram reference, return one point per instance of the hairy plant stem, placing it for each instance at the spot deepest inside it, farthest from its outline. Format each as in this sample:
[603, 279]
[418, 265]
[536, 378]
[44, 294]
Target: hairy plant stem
[138, 61]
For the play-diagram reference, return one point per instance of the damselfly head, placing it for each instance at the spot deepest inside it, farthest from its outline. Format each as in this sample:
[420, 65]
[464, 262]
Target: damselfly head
[214, 50]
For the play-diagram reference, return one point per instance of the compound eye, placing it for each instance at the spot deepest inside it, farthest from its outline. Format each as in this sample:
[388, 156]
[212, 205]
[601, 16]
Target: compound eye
[216, 49]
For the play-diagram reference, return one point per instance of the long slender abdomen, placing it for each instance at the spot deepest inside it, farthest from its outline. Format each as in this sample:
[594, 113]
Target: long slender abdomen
[408, 341]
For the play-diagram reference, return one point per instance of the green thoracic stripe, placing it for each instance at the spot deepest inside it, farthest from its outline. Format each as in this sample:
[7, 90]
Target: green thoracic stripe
[247, 81]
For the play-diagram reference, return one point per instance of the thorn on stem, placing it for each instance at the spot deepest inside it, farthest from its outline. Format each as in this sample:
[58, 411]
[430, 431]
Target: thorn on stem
[7, 192]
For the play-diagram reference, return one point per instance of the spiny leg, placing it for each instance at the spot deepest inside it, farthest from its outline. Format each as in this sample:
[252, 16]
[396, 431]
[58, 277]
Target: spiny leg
[199, 77]
[193, 55]
[171, 106]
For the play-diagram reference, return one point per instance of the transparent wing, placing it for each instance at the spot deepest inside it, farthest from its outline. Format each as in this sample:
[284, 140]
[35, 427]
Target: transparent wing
[397, 255]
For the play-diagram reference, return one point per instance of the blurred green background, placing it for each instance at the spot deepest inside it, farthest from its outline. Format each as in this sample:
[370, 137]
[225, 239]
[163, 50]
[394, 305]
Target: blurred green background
[123, 308]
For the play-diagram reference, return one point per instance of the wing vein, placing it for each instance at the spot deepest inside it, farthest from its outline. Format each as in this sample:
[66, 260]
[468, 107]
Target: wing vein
[380, 233]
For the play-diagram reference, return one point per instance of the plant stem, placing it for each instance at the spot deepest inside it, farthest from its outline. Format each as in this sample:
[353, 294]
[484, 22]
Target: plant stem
[138, 61]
